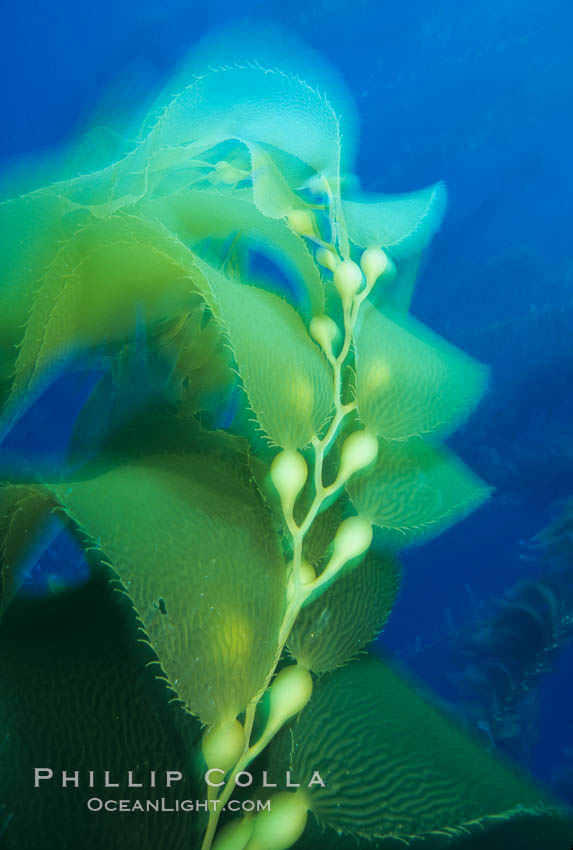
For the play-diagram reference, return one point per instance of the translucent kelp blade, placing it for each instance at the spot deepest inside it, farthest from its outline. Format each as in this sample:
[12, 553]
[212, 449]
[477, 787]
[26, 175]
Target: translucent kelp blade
[396, 296]
[200, 375]
[113, 188]
[394, 765]
[318, 540]
[403, 223]
[110, 274]
[29, 228]
[415, 491]
[268, 45]
[286, 378]
[183, 366]
[24, 512]
[253, 104]
[332, 629]
[410, 381]
[194, 549]
[83, 187]
[98, 149]
[271, 191]
[155, 430]
[198, 215]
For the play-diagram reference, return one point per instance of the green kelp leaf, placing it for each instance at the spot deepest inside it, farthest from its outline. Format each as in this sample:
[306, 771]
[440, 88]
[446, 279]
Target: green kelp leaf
[271, 191]
[105, 191]
[24, 513]
[330, 630]
[396, 295]
[252, 104]
[268, 45]
[110, 275]
[194, 549]
[34, 228]
[394, 765]
[200, 373]
[318, 539]
[410, 381]
[129, 176]
[402, 223]
[414, 491]
[96, 150]
[123, 183]
[30, 227]
[183, 370]
[197, 215]
[286, 378]
[155, 429]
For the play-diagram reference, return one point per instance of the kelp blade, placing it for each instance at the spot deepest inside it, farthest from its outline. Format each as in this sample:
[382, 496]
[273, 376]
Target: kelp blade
[395, 766]
[414, 491]
[409, 381]
[194, 550]
[333, 628]
[24, 514]
[197, 215]
[252, 104]
[403, 223]
[111, 274]
[287, 380]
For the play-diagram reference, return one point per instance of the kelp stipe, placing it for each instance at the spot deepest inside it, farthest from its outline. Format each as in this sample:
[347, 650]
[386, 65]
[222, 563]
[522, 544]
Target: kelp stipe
[274, 543]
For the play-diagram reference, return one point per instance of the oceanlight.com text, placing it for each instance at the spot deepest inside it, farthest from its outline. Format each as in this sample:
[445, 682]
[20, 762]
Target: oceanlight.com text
[98, 804]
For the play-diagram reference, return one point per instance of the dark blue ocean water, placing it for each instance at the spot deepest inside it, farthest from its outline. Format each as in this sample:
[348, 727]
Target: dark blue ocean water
[479, 94]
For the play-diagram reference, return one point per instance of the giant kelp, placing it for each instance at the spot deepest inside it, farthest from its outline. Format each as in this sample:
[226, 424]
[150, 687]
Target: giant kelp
[223, 259]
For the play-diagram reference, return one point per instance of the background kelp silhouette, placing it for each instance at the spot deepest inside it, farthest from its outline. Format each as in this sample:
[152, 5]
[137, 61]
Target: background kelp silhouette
[510, 645]
[266, 435]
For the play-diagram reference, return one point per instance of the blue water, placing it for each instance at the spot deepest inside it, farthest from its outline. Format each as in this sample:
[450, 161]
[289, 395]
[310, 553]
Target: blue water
[479, 94]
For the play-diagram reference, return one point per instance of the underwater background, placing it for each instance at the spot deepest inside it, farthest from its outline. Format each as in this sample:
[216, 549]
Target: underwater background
[480, 95]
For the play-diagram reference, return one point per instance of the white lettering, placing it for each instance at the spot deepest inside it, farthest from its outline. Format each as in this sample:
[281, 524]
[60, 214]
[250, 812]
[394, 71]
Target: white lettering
[266, 783]
[131, 783]
[38, 771]
[290, 784]
[172, 776]
[210, 773]
[74, 778]
[107, 781]
[317, 780]
[244, 783]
